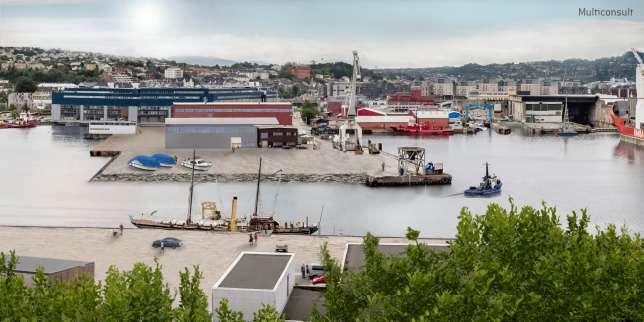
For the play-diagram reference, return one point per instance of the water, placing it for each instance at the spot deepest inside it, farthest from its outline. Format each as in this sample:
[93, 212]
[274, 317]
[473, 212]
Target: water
[45, 174]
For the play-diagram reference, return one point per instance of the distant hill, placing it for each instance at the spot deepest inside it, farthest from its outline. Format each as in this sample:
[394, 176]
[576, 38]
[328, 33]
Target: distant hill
[579, 69]
[202, 60]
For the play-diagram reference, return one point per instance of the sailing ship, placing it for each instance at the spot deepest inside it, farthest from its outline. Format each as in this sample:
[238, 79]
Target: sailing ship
[256, 223]
[567, 128]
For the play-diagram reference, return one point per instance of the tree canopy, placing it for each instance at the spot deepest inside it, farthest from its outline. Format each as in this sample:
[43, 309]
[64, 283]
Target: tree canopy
[506, 265]
[25, 85]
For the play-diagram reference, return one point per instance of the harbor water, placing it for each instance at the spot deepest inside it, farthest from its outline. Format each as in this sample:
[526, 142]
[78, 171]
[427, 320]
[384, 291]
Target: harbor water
[45, 175]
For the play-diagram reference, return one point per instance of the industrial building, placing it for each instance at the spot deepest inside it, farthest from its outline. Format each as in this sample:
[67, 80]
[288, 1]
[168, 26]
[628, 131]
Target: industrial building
[282, 111]
[255, 279]
[371, 119]
[582, 109]
[58, 269]
[140, 105]
[213, 133]
[273, 136]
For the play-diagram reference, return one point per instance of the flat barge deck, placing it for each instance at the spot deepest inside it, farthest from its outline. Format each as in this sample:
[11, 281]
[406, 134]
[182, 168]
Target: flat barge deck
[409, 180]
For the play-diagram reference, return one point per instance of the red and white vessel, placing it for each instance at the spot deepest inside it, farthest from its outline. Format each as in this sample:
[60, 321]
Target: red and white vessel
[24, 122]
[634, 133]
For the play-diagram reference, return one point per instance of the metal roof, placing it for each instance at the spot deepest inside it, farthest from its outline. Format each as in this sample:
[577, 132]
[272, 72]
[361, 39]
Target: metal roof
[28, 264]
[256, 271]
[221, 121]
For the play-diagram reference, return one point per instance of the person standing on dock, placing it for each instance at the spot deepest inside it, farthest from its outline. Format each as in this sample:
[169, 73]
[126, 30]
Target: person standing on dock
[383, 166]
[256, 236]
[250, 239]
[121, 229]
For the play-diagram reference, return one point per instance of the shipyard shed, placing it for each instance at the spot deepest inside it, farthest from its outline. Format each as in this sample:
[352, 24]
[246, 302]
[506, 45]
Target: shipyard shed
[272, 136]
[256, 278]
[213, 133]
[57, 269]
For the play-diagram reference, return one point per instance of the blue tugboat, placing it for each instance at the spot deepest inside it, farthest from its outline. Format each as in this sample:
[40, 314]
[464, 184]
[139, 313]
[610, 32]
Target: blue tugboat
[490, 185]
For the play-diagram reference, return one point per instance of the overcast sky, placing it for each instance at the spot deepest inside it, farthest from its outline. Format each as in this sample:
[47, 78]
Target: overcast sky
[394, 33]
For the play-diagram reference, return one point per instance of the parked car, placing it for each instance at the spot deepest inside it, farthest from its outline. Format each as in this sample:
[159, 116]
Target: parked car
[318, 280]
[315, 270]
[167, 242]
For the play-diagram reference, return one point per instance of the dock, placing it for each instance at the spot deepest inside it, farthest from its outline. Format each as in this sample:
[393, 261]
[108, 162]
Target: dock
[409, 180]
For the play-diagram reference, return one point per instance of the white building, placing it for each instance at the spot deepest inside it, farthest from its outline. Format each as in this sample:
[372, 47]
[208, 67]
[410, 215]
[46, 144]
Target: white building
[173, 73]
[337, 89]
[255, 279]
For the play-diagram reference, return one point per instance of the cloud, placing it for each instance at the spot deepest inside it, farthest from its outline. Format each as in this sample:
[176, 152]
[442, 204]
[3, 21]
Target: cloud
[583, 38]
[43, 2]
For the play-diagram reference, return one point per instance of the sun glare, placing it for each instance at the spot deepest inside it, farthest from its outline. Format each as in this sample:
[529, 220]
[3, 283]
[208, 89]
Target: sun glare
[146, 17]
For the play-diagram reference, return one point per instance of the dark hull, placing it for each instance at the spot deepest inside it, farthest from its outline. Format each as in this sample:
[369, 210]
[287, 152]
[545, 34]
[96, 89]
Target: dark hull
[150, 224]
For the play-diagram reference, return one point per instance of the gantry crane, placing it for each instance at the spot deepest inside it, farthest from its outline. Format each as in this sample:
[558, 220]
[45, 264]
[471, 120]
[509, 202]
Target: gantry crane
[347, 141]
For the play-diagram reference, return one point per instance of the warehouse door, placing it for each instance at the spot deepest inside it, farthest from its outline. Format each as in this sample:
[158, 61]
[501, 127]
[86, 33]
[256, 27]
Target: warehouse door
[235, 142]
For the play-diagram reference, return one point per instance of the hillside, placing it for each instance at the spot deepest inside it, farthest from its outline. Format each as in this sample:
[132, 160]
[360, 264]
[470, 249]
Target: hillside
[578, 69]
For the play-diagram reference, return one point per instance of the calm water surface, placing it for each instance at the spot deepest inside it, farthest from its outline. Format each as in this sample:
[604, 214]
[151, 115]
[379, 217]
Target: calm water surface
[45, 174]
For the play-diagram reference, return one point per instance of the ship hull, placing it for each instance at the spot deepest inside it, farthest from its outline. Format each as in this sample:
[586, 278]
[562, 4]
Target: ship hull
[627, 133]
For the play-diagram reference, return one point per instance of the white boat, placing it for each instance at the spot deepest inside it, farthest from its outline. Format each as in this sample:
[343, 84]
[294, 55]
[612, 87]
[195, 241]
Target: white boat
[197, 164]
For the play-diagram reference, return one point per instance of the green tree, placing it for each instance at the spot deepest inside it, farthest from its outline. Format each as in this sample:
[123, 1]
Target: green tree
[309, 111]
[137, 295]
[14, 299]
[225, 314]
[194, 303]
[267, 313]
[25, 85]
[506, 265]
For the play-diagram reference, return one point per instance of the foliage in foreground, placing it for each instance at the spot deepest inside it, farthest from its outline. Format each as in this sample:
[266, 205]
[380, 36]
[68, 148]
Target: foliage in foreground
[507, 265]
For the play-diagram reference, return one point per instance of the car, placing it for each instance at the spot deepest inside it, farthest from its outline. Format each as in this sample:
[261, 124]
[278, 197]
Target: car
[167, 242]
[315, 270]
[318, 280]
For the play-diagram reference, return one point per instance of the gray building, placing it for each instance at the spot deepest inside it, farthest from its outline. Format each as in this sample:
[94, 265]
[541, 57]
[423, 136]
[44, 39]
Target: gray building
[213, 133]
[59, 269]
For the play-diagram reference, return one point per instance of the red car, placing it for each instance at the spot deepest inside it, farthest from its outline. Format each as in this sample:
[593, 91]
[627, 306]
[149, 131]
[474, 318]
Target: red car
[318, 280]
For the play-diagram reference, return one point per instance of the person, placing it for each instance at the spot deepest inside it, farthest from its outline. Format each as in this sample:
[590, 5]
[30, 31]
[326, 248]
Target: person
[162, 247]
[383, 166]
[303, 270]
[256, 238]
[250, 239]
[308, 271]
[121, 229]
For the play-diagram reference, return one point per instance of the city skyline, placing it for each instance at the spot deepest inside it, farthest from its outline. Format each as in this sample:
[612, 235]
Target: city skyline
[388, 35]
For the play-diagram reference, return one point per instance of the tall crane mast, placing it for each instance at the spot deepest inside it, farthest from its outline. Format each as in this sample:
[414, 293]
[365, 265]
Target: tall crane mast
[351, 97]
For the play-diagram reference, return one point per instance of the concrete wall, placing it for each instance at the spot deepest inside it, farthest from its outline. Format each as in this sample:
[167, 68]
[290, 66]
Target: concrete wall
[247, 301]
[208, 136]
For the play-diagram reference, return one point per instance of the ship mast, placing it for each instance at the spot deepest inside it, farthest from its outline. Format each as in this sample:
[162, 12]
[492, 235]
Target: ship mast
[192, 187]
[259, 176]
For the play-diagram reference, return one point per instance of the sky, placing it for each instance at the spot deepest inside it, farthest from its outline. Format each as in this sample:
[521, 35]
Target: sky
[393, 33]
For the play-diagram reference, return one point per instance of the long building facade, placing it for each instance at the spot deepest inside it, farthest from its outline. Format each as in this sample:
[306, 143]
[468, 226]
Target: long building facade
[282, 111]
[140, 105]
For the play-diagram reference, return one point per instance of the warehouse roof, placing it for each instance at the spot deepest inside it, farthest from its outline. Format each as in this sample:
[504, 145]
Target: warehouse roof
[28, 264]
[354, 253]
[256, 271]
[221, 121]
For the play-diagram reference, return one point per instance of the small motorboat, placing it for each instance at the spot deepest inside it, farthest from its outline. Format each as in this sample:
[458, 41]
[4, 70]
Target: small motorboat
[490, 185]
[143, 162]
[165, 160]
[197, 164]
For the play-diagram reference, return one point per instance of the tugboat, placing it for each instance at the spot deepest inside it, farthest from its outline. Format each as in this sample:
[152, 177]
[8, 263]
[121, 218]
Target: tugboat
[490, 185]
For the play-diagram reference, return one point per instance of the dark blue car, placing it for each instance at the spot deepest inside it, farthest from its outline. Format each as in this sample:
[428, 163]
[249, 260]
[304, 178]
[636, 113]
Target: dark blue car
[167, 242]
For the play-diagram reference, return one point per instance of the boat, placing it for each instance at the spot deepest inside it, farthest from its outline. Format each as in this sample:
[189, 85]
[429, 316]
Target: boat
[143, 162]
[490, 185]
[22, 123]
[633, 132]
[257, 223]
[422, 129]
[268, 223]
[165, 160]
[567, 128]
[197, 164]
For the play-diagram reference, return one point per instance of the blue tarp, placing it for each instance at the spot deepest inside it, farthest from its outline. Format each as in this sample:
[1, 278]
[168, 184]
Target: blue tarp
[455, 115]
[164, 158]
[146, 161]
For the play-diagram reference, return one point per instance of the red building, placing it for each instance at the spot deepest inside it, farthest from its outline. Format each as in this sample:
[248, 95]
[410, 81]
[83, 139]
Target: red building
[300, 72]
[370, 119]
[435, 119]
[282, 111]
[414, 97]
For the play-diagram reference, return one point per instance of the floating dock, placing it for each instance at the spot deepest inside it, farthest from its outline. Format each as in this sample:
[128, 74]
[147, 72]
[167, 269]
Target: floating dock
[409, 180]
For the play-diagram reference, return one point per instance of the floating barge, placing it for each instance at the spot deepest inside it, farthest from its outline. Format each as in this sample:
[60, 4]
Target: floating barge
[409, 180]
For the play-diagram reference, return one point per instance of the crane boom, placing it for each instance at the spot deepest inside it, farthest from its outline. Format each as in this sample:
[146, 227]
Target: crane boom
[351, 98]
[637, 56]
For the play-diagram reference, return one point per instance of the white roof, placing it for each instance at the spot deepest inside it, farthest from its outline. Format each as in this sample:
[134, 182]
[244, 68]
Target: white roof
[222, 120]
[432, 114]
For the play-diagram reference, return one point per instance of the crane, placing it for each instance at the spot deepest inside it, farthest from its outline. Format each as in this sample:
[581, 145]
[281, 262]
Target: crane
[344, 140]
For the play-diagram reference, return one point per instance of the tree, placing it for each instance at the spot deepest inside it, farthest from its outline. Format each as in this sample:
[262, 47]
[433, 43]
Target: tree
[14, 299]
[225, 314]
[193, 304]
[267, 313]
[25, 85]
[309, 111]
[508, 264]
